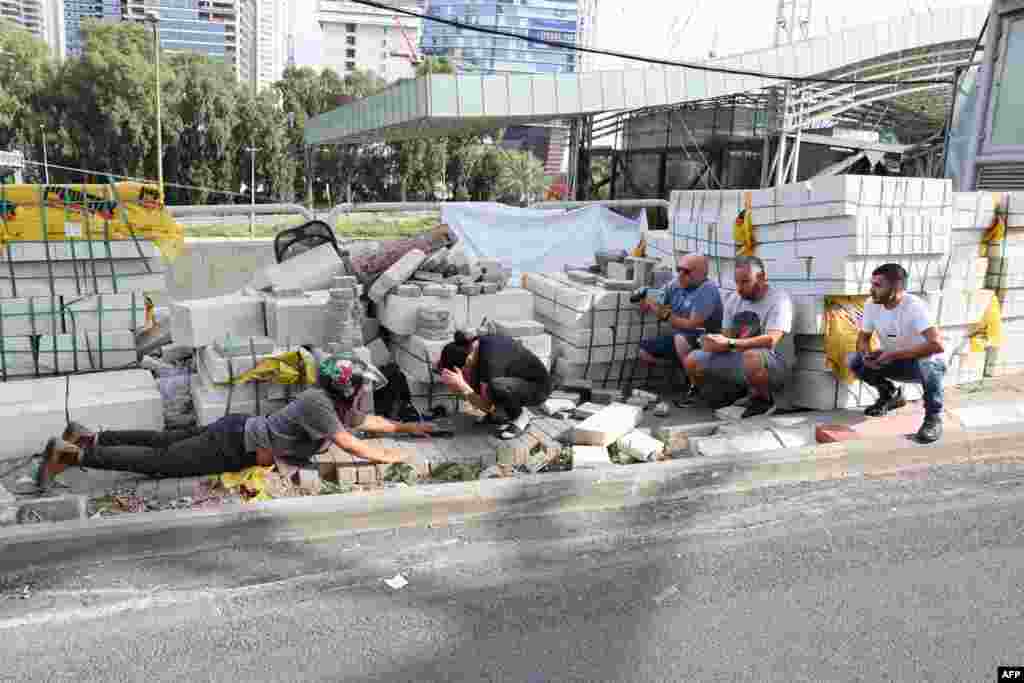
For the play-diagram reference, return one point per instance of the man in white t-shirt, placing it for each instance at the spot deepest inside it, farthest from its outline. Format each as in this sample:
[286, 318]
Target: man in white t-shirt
[911, 349]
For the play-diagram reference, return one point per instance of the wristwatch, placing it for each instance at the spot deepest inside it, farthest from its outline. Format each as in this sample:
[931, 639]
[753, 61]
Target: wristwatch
[732, 344]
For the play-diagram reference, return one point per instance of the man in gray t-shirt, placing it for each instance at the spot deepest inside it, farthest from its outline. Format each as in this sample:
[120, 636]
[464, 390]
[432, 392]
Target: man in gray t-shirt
[755, 348]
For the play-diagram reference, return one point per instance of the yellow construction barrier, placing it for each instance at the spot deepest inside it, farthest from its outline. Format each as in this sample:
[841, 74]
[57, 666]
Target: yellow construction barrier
[116, 211]
[743, 229]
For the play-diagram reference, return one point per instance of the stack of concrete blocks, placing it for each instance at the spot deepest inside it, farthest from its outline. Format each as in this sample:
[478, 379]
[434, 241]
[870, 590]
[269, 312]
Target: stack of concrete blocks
[823, 238]
[73, 306]
[212, 394]
[1005, 273]
[33, 410]
[595, 331]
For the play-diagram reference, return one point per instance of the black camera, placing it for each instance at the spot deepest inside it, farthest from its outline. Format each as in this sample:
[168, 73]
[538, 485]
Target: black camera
[638, 296]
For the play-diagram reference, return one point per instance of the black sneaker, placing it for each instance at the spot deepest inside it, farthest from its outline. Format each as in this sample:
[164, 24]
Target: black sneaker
[931, 429]
[759, 406]
[688, 398]
[885, 403]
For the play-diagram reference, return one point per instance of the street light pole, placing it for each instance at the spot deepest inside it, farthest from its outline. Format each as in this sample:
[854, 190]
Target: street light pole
[46, 163]
[154, 19]
[252, 191]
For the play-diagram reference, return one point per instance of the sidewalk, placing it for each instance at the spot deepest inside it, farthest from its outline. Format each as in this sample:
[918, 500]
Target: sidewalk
[997, 404]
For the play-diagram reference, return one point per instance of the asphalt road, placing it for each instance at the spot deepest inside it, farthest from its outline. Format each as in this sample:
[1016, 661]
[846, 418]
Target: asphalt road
[889, 580]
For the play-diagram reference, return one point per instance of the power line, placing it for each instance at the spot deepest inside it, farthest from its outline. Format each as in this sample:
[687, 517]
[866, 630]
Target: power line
[86, 171]
[648, 60]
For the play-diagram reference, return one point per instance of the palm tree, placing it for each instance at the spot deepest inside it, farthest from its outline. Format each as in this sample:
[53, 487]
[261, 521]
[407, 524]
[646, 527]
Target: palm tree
[521, 179]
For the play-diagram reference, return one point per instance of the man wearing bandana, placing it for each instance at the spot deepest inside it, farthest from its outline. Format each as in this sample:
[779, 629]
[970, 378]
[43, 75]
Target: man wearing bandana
[309, 424]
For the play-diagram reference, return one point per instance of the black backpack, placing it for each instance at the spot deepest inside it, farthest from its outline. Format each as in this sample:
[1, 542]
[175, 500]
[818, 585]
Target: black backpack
[394, 397]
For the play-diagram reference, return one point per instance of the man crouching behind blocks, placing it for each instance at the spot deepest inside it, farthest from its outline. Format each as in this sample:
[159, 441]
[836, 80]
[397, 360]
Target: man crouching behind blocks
[755, 350]
[912, 349]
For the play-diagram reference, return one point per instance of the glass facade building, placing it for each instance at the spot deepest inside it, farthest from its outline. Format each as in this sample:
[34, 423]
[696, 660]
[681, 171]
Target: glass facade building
[77, 10]
[482, 53]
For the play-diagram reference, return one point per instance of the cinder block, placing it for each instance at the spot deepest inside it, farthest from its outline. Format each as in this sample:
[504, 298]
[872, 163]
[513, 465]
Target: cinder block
[30, 315]
[640, 446]
[201, 322]
[400, 315]
[605, 396]
[309, 479]
[311, 270]
[397, 274]
[508, 304]
[297, 320]
[56, 509]
[677, 437]
[590, 457]
[608, 425]
[33, 410]
[518, 328]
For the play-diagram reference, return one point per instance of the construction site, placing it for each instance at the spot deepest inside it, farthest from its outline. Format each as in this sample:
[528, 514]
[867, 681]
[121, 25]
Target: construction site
[824, 157]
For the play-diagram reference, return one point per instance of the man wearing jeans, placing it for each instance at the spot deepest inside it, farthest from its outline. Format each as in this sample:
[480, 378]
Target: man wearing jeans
[911, 349]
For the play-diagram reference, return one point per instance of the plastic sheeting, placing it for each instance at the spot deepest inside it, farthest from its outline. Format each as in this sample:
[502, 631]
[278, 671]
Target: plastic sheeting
[540, 240]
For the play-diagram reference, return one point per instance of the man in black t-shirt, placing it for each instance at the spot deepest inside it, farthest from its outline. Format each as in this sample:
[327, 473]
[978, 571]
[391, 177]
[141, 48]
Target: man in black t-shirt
[495, 371]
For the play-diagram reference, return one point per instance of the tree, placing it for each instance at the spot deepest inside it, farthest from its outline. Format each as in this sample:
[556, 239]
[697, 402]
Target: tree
[521, 179]
[26, 75]
[104, 101]
[262, 124]
[203, 105]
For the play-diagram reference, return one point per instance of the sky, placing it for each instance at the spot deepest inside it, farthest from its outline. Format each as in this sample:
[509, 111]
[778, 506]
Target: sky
[682, 30]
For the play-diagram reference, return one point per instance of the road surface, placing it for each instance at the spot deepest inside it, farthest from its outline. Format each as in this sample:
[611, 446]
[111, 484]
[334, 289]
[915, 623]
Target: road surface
[861, 580]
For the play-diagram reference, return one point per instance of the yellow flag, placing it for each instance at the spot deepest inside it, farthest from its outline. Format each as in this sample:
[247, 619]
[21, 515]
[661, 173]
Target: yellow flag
[997, 231]
[988, 333]
[843, 315]
[743, 229]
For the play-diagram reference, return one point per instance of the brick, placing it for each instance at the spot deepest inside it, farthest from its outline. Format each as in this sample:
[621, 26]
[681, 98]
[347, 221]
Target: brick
[608, 425]
[834, 433]
[590, 457]
[309, 479]
[56, 509]
[605, 396]
[366, 474]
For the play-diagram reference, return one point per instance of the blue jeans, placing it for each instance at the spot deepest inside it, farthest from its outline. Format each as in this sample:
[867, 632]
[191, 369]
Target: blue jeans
[928, 373]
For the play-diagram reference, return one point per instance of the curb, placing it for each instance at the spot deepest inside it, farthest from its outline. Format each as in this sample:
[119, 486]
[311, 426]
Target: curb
[620, 487]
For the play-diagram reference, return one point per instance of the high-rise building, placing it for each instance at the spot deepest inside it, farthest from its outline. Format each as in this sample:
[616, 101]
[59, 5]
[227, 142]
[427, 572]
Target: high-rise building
[361, 37]
[223, 30]
[42, 18]
[547, 19]
[271, 40]
[75, 11]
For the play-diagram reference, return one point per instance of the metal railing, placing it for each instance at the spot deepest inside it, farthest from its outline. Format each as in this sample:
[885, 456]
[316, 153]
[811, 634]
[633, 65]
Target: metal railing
[610, 203]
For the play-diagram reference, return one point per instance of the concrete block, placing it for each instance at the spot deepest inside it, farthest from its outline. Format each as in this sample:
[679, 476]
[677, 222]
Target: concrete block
[576, 305]
[235, 347]
[298, 320]
[31, 315]
[380, 354]
[572, 396]
[616, 284]
[518, 328]
[55, 509]
[397, 274]
[607, 426]
[201, 322]
[617, 271]
[211, 404]
[585, 410]
[416, 355]
[605, 396]
[590, 457]
[554, 406]
[33, 410]
[584, 277]
[311, 270]
[40, 284]
[745, 443]
[309, 479]
[508, 304]
[105, 312]
[640, 446]
[677, 437]
[400, 315]
[220, 369]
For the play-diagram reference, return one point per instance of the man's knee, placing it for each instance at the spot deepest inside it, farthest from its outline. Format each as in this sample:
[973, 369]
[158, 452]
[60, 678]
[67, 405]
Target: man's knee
[682, 345]
[695, 361]
[646, 358]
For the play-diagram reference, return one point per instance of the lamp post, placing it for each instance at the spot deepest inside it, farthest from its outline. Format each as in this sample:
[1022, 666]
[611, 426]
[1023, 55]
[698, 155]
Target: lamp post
[46, 163]
[252, 190]
[154, 19]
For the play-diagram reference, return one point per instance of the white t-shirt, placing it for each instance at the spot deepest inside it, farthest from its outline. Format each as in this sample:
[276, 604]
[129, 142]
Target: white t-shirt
[899, 328]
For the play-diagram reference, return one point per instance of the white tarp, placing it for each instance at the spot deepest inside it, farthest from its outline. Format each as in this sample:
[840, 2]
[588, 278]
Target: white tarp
[540, 240]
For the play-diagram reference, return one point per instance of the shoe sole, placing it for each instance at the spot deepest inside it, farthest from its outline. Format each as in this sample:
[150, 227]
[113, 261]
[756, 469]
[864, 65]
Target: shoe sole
[42, 480]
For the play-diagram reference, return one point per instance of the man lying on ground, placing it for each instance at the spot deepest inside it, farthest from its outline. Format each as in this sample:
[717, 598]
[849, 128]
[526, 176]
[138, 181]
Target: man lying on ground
[316, 418]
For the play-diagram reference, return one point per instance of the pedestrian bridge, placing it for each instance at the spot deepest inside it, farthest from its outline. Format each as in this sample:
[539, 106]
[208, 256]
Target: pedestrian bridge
[928, 46]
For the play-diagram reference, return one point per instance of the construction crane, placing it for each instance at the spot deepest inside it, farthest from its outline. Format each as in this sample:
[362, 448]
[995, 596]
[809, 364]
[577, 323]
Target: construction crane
[415, 58]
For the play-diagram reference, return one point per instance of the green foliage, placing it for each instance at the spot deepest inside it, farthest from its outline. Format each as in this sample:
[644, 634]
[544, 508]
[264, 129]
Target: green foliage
[99, 112]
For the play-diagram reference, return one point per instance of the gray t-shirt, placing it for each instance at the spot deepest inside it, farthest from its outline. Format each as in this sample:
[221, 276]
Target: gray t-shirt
[302, 428]
[773, 311]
